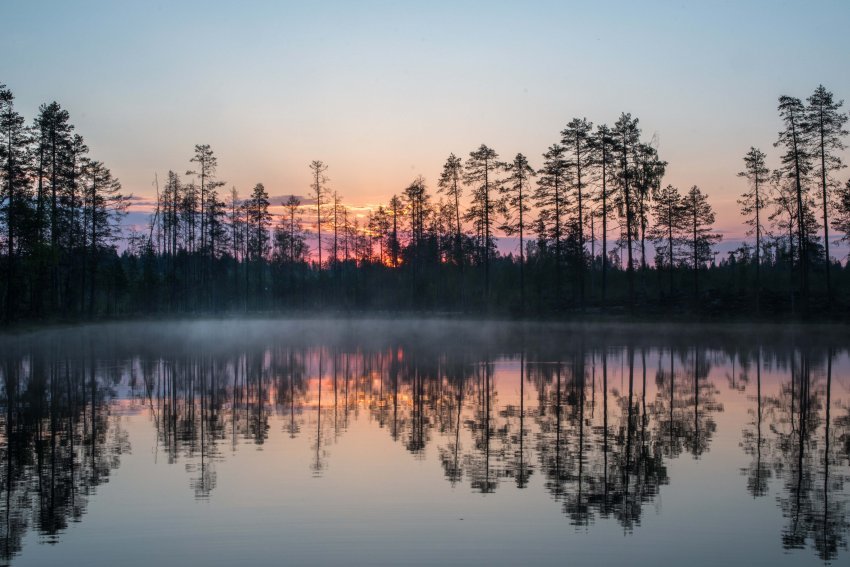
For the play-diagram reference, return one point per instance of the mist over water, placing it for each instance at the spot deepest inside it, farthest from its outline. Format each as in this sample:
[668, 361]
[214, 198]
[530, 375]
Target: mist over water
[424, 441]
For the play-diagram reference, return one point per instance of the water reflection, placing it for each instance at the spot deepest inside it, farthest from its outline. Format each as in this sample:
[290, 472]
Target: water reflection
[578, 415]
[812, 500]
[61, 438]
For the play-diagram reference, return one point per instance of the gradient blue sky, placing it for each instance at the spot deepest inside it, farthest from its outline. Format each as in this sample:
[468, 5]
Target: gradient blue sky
[383, 91]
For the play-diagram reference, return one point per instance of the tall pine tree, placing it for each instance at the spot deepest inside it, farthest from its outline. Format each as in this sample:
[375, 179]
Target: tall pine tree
[516, 189]
[577, 141]
[752, 202]
[826, 122]
[698, 218]
[481, 174]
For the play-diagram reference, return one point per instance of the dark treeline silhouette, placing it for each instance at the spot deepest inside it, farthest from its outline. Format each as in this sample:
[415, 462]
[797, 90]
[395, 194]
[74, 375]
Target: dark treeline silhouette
[596, 421]
[596, 230]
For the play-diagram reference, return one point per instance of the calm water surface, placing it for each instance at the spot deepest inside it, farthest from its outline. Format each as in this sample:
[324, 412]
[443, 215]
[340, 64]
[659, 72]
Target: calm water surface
[423, 442]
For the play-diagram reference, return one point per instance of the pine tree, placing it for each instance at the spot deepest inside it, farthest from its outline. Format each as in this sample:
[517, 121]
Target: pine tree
[480, 172]
[450, 185]
[551, 200]
[396, 208]
[578, 143]
[14, 193]
[216, 231]
[752, 202]
[70, 200]
[826, 122]
[784, 214]
[416, 202]
[172, 197]
[698, 216]
[797, 166]
[103, 208]
[55, 130]
[348, 236]
[648, 172]
[515, 190]
[417, 206]
[290, 239]
[626, 135]
[237, 245]
[319, 190]
[603, 148]
[379, 227]
[259, 219]
[234, 219]
[205, 174]
[337, 211]
[171, 211]
[668, 212]
[189, 216]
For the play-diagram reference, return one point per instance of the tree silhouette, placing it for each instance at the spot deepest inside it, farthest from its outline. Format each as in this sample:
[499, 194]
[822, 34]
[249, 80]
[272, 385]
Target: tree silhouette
[577, 139]
[515, 192]
[480, 173]
[54, 139]
[416, 202]
[257, 223]
[259, 220]
[797, 166]
[626, 135]
[752, 202]
[669, 223]
[649, 169]
[396, 208]
[699, 216]
[826, 122]
[15, 196]
[337, 211]
[551, 200]
[290, 240]
[319, 190]
[103, 207]
[450, 184]
[200, 253]
[603, 147]
[207, 165]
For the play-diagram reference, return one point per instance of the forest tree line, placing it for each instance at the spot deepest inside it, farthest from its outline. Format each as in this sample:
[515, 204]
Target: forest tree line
[597, 228]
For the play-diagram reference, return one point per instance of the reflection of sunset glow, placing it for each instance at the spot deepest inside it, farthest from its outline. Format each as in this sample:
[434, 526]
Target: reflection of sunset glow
[603, 431]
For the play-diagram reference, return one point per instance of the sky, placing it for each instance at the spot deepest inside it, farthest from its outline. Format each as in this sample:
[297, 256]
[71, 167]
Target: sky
[384, 91]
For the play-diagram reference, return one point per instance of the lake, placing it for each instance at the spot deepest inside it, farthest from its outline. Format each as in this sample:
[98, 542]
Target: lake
[387, 442]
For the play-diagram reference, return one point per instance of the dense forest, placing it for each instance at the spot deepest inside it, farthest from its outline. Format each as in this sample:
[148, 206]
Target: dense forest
[598, 231]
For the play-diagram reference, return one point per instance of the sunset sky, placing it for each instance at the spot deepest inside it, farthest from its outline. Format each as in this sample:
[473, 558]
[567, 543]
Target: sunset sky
[383, 91]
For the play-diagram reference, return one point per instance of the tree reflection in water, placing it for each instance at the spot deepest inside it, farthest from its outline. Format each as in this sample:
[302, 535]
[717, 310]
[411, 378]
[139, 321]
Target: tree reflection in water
[60, 440]
[581, 419]
[803, 453]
